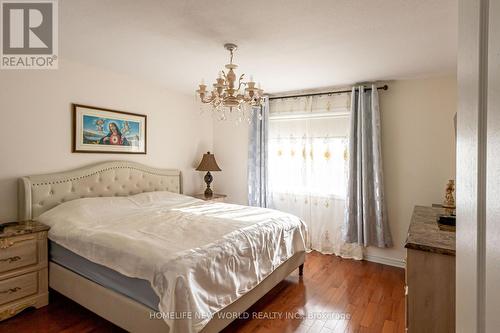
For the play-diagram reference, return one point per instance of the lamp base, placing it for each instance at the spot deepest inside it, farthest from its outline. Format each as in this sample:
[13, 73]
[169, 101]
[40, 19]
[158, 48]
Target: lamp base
[208, 180]
[209, 193]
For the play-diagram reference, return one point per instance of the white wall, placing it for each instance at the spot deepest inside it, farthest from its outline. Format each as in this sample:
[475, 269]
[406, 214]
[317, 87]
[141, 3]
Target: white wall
[418, 151]
[418, 147]
[35, 110]
[231, 152]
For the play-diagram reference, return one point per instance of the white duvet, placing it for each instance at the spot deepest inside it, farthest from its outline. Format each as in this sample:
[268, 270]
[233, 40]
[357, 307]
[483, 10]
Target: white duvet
[198, 256]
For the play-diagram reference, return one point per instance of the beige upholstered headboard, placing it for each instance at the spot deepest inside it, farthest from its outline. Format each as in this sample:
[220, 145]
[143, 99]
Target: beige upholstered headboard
[40, 193]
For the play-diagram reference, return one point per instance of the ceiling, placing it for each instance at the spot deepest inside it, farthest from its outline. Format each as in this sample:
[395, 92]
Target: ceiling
[285, 44]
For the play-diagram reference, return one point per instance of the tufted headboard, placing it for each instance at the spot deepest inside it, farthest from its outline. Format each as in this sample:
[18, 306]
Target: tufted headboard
[40, 193]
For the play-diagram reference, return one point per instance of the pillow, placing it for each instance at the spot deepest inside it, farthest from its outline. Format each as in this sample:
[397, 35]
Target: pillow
[98, 210]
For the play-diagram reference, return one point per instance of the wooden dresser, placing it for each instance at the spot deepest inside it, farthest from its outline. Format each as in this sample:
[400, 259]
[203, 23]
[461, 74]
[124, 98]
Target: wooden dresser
[430, 274]
[23, 268]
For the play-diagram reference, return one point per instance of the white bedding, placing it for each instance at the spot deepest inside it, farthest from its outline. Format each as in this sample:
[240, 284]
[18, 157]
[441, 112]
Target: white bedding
[198, 256]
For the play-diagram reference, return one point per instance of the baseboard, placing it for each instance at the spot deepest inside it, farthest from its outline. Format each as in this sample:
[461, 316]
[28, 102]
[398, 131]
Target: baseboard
[385, 260]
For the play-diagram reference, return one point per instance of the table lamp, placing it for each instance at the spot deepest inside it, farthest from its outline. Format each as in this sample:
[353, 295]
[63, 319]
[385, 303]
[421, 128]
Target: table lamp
[208, 164]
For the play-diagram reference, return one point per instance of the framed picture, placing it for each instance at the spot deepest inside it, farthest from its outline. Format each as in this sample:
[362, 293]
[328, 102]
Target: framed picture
[98, 130]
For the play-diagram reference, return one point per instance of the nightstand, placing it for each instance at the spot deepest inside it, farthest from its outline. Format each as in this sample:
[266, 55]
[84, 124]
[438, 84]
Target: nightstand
[23, 268]
[214, 197]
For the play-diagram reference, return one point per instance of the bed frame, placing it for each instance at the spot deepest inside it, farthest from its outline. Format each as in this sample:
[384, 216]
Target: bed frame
[40, 193]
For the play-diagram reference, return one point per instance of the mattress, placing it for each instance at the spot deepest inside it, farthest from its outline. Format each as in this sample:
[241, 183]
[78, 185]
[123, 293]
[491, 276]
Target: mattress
[137, 289]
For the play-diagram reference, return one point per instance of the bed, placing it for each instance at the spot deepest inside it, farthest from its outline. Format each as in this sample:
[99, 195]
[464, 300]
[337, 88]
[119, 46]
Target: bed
[132, 301]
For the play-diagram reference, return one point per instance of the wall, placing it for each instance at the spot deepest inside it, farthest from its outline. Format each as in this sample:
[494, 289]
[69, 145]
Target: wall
[418, 147]
[231, 151]
[36, 124]
[418, 153]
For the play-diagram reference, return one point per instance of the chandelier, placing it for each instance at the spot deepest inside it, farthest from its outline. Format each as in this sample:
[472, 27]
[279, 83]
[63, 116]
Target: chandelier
[231, 95]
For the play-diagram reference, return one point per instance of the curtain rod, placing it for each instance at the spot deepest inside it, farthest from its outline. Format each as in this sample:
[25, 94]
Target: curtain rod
[384, 87]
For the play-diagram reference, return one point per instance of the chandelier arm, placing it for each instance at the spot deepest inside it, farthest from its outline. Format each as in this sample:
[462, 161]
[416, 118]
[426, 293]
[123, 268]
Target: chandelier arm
[208, 100]
[241, 82]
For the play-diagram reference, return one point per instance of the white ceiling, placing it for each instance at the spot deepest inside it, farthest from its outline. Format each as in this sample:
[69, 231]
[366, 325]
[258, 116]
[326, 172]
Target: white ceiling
[285, 44]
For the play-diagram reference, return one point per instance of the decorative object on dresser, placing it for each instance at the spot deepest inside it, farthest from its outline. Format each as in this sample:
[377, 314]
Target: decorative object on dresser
[430, 274]
[215, 197]
[208, 163]
[449, 198]
[23, 267]
[98, 130]
[447, 221]
[231, 95]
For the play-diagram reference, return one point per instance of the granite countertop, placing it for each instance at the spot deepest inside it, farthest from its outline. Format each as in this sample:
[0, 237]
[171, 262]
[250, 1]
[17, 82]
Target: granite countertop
[425, 235]
[23, 228]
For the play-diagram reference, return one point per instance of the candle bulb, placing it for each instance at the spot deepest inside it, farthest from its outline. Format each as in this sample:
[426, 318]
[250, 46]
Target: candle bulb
[202, 82]
[251, 78]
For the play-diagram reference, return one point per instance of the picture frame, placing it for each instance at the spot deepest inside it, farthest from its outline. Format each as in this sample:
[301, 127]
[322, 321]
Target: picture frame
[101, 130]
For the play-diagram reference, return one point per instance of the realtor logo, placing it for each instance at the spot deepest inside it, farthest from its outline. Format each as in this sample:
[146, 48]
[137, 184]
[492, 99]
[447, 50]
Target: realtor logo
[29, 34]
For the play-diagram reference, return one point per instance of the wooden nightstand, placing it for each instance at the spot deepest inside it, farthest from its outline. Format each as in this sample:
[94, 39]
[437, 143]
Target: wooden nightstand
[215, 197]
[23, 268]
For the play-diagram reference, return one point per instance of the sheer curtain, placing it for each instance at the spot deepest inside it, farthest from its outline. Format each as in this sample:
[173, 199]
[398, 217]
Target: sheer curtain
[308, 142]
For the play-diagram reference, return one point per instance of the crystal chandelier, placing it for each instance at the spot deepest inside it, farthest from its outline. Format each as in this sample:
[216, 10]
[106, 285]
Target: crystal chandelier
[229, 94]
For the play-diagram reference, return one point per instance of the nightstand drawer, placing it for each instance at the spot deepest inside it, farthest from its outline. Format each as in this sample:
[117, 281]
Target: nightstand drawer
[18, 287]
[18, 252]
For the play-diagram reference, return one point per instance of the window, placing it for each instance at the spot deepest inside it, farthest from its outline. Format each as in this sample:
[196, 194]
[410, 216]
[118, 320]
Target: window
[308, 147]
[308, 141]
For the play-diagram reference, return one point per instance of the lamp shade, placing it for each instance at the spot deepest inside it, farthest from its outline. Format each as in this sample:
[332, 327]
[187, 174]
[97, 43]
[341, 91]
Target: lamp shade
[208, 163]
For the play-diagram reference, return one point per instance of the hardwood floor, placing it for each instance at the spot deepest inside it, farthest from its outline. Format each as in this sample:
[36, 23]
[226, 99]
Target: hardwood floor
[335, 295]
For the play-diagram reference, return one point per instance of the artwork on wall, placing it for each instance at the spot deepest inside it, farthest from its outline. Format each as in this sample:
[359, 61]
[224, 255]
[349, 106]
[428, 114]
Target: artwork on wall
[98, 130]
